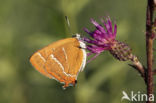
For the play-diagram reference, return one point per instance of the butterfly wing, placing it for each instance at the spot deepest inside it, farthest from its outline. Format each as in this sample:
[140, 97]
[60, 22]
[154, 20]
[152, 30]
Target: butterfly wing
[61, 60]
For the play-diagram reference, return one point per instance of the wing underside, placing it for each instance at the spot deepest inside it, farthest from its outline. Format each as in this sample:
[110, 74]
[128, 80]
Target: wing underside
[61, 60]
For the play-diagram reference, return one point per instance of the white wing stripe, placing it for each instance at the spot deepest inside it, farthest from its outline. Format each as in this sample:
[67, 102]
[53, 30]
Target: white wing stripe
[83, 46]
[58, 62]
[41, 57]
[65, 54]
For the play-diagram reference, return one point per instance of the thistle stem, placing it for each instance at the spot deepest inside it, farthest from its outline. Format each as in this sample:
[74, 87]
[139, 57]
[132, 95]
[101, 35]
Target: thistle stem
[149, 47]
[138, 66]
[149, 67]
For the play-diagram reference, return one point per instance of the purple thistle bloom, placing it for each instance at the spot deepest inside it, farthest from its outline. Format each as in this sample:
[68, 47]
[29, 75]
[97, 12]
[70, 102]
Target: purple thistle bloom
[103, 38]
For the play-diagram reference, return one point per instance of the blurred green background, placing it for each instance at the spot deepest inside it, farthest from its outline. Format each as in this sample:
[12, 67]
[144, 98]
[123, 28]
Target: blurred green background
[28, 25]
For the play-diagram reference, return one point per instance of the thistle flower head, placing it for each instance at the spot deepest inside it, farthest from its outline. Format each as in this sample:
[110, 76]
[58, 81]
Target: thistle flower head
[103, 38]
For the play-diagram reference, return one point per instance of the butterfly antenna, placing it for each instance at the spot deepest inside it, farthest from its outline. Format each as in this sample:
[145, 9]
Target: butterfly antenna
[68, 23]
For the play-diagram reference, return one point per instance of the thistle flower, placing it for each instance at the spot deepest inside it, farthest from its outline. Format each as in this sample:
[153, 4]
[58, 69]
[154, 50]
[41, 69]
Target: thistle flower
[103, 39]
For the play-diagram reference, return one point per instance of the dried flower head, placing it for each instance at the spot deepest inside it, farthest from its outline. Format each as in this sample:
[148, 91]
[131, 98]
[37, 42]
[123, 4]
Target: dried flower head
[103, 38]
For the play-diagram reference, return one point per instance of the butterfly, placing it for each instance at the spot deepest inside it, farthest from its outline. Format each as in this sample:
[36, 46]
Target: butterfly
[61, 60]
